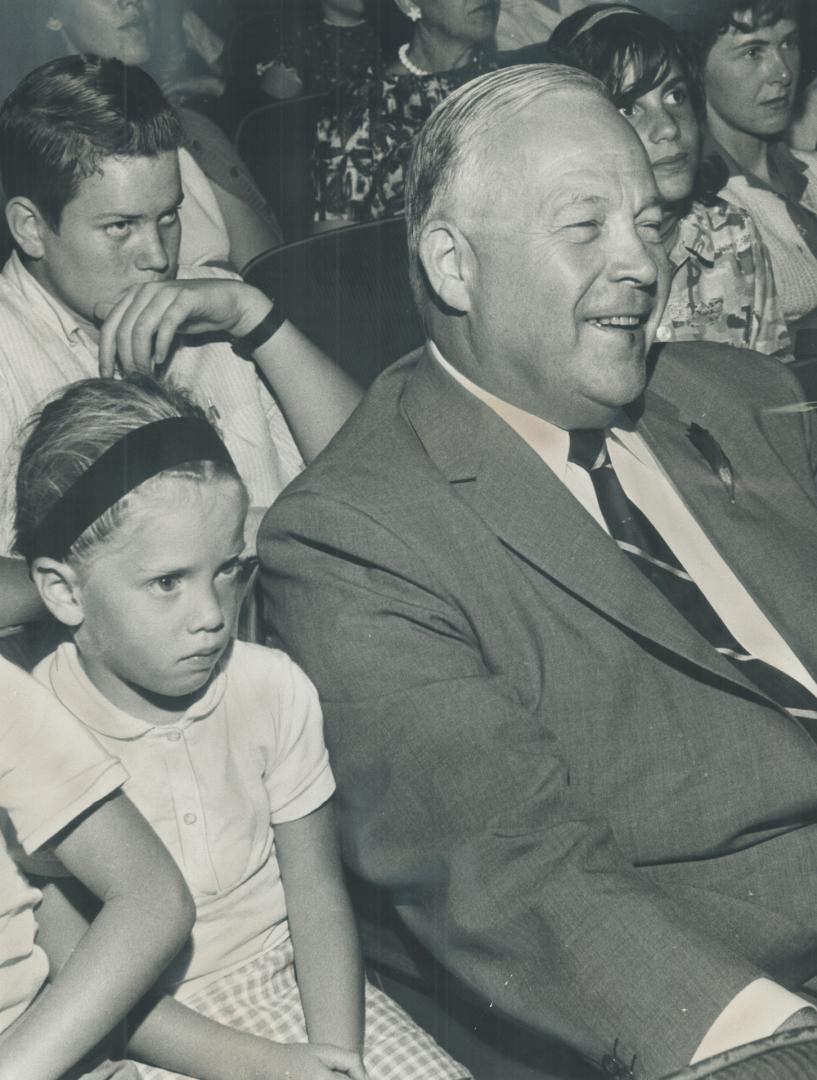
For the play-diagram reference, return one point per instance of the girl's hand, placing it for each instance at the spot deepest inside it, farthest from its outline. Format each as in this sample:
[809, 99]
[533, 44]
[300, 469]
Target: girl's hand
[315, 1061]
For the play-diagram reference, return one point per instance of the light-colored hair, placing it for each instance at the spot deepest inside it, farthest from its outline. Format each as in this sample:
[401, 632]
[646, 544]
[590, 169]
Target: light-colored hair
[74, 429]
[456, 138]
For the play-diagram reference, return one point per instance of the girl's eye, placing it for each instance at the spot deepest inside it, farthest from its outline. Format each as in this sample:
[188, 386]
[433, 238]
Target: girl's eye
[677, 96]
[628, 111]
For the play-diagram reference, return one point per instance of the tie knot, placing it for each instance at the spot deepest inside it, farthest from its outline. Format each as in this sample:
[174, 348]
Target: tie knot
[587, 448]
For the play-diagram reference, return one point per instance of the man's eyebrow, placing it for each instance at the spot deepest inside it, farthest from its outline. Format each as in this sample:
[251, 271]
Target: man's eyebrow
[564, 200]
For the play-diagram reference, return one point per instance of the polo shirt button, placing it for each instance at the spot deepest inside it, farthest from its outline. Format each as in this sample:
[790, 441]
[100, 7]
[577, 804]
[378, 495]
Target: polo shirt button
[663, 333]
[190, 819]
[174, 735]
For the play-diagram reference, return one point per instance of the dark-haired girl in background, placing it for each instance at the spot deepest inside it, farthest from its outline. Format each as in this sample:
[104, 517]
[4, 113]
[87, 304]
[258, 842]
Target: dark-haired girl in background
[723, 286]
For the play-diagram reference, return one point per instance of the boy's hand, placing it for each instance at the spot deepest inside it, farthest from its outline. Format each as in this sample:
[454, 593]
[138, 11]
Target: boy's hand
[315, 1061]
[138, 330]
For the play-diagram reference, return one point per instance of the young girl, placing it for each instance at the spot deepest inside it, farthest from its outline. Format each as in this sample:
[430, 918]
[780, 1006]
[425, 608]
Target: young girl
[130, 513]
[57, 784]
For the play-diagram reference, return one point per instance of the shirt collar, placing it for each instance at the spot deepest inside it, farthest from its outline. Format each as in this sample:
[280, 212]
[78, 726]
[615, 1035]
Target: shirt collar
[76, 691]
[786, 170]
[550, 442]
[43, 302]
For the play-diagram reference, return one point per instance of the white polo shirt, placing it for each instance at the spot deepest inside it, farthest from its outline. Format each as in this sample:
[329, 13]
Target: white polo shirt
[51, 771]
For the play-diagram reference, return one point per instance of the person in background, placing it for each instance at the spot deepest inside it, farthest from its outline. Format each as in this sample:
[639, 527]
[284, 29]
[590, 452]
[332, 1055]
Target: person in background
[526, 22]
[130, 513]
[126, 30]
[89, 161]
[723, 286]
[325, 43]
[363, 145]
[59, 788]
[749, 53]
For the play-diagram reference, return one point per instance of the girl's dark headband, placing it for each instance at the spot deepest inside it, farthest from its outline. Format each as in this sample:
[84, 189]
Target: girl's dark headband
[139, 455]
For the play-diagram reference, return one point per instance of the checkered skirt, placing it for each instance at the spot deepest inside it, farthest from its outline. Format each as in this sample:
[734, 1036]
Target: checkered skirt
[262, 998]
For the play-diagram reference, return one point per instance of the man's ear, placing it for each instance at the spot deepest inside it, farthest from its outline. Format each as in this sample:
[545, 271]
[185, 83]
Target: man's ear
[27, 226]
[59, 589]
[448, 261]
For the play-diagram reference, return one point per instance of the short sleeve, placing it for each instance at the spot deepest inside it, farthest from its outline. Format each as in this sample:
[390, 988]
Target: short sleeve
[298, 776]
[51, 768]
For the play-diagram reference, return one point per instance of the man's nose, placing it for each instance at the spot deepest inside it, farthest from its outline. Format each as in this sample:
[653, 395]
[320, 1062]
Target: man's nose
[153, 253]
[635, 260]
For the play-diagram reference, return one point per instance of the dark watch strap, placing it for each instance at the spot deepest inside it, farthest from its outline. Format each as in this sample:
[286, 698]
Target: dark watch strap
[246, 346]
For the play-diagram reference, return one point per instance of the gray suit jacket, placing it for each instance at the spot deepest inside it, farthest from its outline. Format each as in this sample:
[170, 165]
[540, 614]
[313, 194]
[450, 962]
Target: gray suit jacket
[577, 805]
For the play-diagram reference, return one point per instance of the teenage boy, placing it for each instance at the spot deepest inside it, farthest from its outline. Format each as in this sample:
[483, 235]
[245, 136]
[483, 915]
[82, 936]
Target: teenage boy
[89, 162]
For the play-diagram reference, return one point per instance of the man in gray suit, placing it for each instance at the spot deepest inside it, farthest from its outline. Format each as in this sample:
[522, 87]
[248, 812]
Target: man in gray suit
[589, 797]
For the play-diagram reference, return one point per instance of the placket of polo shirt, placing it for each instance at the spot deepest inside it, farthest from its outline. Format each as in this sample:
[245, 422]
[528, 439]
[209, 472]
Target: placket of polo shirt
[189, 810]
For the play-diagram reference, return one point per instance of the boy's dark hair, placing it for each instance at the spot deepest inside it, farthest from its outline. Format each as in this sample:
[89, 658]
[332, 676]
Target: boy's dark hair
[631, 52]
[66, 117]
[741, 15]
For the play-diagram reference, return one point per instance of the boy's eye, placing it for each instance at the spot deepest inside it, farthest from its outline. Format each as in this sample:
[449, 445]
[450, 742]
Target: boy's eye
[628, 111]
[677, 96]
[118, 229]
[167, 583]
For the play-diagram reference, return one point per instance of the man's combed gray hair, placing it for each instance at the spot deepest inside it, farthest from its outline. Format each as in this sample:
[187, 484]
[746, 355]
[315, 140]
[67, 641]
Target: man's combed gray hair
[452, 136]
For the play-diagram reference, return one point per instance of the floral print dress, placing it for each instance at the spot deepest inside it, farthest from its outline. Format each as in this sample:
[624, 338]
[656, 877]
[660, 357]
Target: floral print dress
[363, 145]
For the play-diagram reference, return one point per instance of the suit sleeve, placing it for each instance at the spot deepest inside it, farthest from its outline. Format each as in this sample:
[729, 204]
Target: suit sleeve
[455, 798]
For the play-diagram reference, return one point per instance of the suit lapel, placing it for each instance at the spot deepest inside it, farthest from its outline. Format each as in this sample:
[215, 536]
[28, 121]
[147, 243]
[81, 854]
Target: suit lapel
[531, 511]
[768, 536]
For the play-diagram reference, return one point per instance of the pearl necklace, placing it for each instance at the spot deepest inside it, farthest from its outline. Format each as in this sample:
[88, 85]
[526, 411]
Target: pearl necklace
[403, 57]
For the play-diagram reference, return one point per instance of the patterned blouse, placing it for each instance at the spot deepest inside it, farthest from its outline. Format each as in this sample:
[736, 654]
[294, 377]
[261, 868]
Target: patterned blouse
[363, 147]
[723, 286]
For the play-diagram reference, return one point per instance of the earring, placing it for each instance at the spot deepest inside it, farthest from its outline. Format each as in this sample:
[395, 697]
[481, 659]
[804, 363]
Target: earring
[414, 13]
[53, 23]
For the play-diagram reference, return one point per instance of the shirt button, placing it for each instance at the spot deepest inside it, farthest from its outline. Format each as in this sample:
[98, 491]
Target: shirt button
[663, 333]
[174, 736]
[190, 819]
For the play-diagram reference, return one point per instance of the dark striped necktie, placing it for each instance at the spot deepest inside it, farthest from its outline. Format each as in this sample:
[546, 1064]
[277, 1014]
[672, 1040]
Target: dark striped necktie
[641, 541]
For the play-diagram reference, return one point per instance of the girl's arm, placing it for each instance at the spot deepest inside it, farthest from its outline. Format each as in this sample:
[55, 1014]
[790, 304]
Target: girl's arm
[322, 925]
[145, 916]
[167, 1034]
